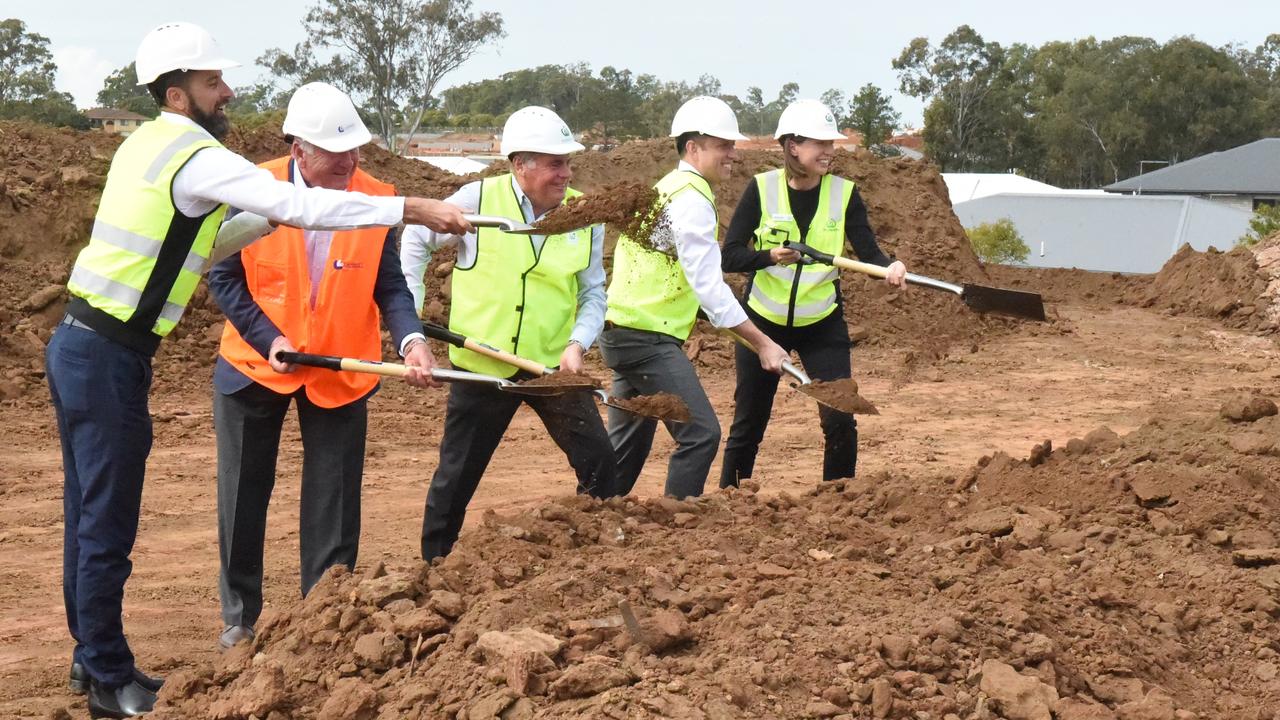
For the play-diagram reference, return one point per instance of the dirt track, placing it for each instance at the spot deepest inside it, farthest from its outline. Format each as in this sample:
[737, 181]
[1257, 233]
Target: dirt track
[1126, 566]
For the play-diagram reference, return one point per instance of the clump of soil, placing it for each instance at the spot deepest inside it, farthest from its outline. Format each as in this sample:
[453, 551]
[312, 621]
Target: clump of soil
[628, 206]
[1228, 286]
[839, 395]
[664, 406]
[563, 378]
[1117, 576]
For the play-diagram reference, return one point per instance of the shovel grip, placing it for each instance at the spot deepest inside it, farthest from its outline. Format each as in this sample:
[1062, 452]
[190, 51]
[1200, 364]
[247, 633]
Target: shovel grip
[787, 366]
[444, 334]
[332, 362]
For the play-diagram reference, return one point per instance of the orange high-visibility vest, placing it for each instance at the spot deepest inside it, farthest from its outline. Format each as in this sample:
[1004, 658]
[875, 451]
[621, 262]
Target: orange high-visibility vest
[345, 320]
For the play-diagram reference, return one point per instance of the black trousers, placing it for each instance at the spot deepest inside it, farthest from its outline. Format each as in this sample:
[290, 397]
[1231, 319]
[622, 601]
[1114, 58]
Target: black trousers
[476, 418]
[248, 424]
[824, 350]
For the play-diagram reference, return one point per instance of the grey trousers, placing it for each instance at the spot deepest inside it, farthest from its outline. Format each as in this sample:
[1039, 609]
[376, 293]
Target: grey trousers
[248, 426]
[645, 363]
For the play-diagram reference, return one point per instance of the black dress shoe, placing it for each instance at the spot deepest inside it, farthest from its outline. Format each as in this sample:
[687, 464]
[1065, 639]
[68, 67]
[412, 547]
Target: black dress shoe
[79, 680]
[123, 702]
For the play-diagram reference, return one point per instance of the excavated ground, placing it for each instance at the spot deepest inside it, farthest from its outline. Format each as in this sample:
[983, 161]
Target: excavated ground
[1075, 519]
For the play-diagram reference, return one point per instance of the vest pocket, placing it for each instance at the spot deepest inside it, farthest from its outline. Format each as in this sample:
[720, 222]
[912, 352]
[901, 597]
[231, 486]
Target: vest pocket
[271, 282]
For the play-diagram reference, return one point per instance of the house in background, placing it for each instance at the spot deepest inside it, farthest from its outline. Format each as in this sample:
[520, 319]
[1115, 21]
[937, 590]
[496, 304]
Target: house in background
[1244, 177]
[119, 122]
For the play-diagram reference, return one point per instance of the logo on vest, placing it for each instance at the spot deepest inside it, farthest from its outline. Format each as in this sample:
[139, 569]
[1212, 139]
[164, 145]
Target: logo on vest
[831, 224]
[572, 238]
[339, 264]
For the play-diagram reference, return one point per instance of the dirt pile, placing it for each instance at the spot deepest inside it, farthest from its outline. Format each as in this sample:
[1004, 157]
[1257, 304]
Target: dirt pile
[1227, 286]
[1118, 576]
[1070, 285]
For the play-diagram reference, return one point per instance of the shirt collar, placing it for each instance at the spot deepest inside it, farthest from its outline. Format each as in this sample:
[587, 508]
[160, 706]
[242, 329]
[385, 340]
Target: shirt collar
[687, 167]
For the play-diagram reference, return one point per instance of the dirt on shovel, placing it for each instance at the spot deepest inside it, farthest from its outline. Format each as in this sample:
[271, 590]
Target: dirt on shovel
[629, 207]
[663, 406]
[839, 395]
[563, 378]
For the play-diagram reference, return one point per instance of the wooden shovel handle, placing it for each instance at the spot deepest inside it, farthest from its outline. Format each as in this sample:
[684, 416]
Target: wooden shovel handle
[444, 334]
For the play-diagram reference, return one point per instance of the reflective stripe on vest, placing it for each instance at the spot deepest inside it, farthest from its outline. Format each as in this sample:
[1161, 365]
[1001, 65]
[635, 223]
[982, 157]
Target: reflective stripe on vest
[649, 290]
[798, 295]
[514, 297]
[137, 230]
[345, 319]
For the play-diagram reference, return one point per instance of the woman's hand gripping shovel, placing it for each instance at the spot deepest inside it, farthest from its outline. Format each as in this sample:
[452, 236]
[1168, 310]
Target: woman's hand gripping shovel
[673, 412]
[841, 395]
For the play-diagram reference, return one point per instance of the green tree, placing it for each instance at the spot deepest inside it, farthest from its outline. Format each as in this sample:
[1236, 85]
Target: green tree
[871, 113]
[121, 90]
[26, 66]
[27, 75]
[389, 54]
[1264, 223]
[998, 242]
[838, 103]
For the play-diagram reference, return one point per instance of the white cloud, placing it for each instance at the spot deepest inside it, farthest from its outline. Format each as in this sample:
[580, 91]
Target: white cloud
[81, 71]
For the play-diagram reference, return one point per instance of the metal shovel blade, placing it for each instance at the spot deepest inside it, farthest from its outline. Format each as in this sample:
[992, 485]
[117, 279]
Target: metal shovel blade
[504, 224]
[1017, 303]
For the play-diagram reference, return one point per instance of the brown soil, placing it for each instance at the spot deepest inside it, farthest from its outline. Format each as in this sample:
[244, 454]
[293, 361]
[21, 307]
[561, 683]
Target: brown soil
[627, 206]
[1126, 563]
[1228, 286]
[839, 395]
[563, 378]
[664, 406]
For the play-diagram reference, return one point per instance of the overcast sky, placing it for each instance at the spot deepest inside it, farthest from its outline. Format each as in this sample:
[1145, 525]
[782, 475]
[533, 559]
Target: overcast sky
[843, 44]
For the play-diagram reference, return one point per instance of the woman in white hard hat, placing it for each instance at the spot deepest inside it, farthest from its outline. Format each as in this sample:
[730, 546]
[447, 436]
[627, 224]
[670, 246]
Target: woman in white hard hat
[797, 305]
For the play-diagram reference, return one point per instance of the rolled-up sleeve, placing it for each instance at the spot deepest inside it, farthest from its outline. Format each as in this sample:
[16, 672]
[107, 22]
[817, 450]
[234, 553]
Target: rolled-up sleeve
[693, 227]
[417, 243]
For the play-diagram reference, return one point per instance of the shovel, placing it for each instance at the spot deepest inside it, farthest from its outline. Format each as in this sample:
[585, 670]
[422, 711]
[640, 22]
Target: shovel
[444, 334]
[979, 298]
[501, 223]
[840, 395]
[374, 367]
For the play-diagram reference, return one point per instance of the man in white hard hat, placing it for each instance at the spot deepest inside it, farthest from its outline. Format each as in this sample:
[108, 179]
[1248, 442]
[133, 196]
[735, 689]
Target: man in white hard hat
[654, 298]
[321, 292]
[167, 192]
[541, 298]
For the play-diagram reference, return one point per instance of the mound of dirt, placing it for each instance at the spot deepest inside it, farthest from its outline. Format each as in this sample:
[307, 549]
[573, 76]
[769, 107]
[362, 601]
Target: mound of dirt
[1228, 286]
[1070, 285]
[1130, 577]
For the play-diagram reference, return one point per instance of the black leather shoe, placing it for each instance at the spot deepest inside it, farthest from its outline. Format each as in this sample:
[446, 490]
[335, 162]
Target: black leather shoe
[123, 702]
[79, 680]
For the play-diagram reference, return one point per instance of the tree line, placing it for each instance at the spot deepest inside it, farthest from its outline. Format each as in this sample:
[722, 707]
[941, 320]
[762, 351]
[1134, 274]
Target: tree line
[1082, 113]
[1088, 112]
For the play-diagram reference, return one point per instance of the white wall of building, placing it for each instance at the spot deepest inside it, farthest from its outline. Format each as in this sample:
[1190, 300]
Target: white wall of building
[1109, 233]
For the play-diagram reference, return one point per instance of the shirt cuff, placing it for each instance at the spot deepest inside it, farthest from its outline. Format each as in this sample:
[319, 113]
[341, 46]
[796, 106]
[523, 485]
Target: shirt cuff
[410, 338]
[730, 316]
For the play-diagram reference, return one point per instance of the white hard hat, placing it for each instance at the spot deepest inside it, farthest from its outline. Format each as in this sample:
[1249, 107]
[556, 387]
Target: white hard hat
[537, 129]
[810, 119]
[707, 115]
[178, 46]
[324, 116]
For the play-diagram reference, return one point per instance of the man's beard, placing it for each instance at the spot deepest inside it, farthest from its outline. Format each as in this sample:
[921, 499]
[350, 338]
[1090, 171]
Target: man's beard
[215, 123]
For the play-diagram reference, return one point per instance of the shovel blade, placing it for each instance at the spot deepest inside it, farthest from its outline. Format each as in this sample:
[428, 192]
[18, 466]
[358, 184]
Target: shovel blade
[1017, 303]
[841, 395]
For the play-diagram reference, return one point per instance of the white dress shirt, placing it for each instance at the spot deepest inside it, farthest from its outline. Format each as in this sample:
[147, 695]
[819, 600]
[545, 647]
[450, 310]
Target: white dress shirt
[417, 243]
[693, 230]
[215, 176]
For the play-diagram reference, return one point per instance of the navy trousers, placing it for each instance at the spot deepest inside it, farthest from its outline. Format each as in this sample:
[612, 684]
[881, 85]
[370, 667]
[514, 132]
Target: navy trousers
[99, 391]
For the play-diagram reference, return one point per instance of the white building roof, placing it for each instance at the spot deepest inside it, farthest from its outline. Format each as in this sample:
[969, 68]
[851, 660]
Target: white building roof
[963, 187]
[452, 163]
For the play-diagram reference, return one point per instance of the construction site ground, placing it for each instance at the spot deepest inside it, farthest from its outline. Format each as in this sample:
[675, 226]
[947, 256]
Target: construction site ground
[1127, 568]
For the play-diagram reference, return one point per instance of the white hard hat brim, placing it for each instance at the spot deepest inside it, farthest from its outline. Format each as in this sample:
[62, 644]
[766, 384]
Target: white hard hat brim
[215, 64]
[565, 148]
[358, 138]
[722, 135]
[820, 135]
